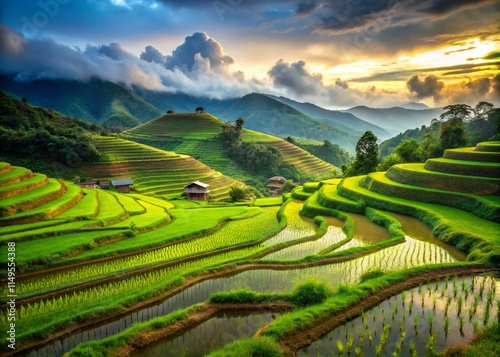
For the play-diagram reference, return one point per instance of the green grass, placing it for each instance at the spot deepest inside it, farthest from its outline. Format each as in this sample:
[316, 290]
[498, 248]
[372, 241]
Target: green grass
[130, 204]
[15, 173]
[449, 224]
[86, 208]
[269, 201]
[471, 154]
[52, 187]
[151, 217]
[186, 223]
[417, 175]
[110, 209]
[463, 167]
[42, 232]
[49, 209]
[487, 207]
[32, 182]
[50, 250]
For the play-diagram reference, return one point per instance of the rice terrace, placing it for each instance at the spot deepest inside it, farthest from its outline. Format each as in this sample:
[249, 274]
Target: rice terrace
[401, 262]
[233, 178]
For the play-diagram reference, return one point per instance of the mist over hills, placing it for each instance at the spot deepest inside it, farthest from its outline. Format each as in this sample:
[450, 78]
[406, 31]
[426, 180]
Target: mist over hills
[395, 119]
[114, 105]
[341, 120]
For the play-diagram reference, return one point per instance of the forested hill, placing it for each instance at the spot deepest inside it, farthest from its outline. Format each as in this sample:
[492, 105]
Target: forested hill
[35, 136]
[97, 101]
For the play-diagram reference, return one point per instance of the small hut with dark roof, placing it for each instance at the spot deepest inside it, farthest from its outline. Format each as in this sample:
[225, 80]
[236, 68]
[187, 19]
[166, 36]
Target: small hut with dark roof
[123, 185]
[275, 184]
[197, 191]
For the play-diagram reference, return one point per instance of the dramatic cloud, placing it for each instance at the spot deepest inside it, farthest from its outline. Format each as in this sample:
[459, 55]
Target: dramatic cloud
[152, 54]
[295, 77]
[306, 7]
[183, 57]
[346, 16]
[428, 87]
[300, 84]
[207, 74]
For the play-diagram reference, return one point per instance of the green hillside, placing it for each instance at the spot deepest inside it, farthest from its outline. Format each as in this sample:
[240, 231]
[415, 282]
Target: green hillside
[270, 116]
[96, 101]
[154, 171]
[458, 198]
[196, 135]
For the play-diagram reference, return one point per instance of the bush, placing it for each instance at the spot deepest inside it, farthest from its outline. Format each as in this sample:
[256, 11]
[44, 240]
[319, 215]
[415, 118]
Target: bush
[250, 347]
[311, 292]
[372, 274]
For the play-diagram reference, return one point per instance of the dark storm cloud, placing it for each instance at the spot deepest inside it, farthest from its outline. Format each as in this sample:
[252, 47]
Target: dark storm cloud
[425, 88]
[347, 16]
[113, 51]
[295, 77]
[151, 54]
[306, 7]
[183, 57]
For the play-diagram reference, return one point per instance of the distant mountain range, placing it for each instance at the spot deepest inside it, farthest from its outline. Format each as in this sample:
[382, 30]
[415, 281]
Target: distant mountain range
[107, 103]
[395, 119]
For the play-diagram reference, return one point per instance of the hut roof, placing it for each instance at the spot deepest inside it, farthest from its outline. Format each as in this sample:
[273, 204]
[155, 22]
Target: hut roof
[124, 182]
[278, 179]
[197, 183]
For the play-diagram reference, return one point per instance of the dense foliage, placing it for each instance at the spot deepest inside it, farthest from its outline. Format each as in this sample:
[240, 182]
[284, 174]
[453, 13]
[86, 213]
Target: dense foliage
[459, 125]
[331, 153]
[262, 160]
[41, 134]
[366, 156]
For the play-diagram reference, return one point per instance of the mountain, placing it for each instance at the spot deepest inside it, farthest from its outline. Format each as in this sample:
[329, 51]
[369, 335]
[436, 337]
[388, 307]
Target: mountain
[395, 119]
[96, 101]
[414, 106]
[183, 103]
[342, 120]
[270, 116]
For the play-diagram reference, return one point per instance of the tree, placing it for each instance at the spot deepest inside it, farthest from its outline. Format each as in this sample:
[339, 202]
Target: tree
[389, 161]
[482, 110]
[288, 186]
[170, 111]
[366, 156]
[239, 124]
[199, 110]
[409, 150]
[238, 194]
[452, 133]
[457, 111]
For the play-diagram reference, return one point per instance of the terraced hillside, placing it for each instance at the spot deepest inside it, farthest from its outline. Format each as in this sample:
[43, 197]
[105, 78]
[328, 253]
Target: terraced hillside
[154, 171]
[118, 272]
[458, 195]
[195, 135]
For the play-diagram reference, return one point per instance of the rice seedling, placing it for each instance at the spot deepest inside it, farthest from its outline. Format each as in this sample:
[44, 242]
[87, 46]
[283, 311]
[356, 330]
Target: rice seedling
[340, 347]
[430, 321]
[413, 349]
[430, 350]
[460, 302]
[446, 325]
[349, 343]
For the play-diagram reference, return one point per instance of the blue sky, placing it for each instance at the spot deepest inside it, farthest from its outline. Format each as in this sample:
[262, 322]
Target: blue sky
[334, 53]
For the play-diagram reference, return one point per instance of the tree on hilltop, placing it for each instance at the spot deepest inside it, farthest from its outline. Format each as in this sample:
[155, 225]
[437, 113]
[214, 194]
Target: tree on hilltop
[199, 110]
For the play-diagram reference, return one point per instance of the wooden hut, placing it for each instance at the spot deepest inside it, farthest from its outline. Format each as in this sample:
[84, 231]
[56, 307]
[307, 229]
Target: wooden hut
[122, 185]
[275, 184]
[88, 184]
[197, 191]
